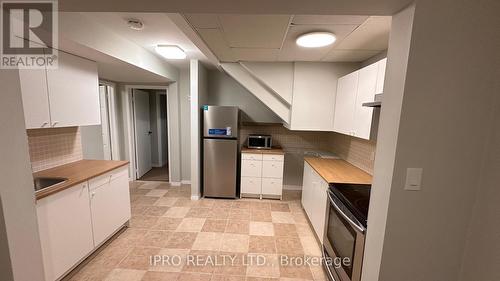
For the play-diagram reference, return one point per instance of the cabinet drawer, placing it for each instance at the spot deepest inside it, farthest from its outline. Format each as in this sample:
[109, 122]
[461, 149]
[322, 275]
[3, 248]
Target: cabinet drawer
[273, 157]
[251, 156]
[272, 169]
[251, 185]
[251, 168]
[108, 177]
[272, 186]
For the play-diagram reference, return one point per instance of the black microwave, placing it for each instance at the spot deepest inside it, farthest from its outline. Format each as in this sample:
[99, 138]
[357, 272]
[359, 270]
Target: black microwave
[259, 141]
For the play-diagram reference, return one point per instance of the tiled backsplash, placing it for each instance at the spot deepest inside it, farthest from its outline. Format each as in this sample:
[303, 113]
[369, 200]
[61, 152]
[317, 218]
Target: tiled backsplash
[295, 143]
[54, 147]
[359, 152]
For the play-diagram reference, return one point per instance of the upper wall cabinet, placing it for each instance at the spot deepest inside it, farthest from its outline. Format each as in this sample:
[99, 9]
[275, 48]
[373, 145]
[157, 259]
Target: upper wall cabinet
[62, 97]
[354, 89]
[314, 87]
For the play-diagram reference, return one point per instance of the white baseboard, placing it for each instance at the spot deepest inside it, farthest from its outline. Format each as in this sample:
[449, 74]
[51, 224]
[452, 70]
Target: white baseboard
[292, 187]
[186, 181]
[175, 183]
[195, 197]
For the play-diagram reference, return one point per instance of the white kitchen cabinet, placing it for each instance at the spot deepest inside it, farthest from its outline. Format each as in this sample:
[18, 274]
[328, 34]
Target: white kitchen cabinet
[73, 92]
[314, 86]
[351, 117]
[251, 168]
[109, 203]
[62, 97]
[367, 83]
[262, 175]
[345, 102]
[314, 199]
[65, 227]
[35, 98]
[74, 222]
[381, 76]
[272, 169]
[251, 185]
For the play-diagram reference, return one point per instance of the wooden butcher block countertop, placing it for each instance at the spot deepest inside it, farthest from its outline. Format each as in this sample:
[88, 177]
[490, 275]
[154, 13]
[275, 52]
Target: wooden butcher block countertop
[76, 172]
[338, 171]
[274, 150]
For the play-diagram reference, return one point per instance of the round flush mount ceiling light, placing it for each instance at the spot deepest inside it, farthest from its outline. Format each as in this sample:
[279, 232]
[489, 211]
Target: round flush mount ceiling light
[316, 39]
[135, 24]
[172, 52]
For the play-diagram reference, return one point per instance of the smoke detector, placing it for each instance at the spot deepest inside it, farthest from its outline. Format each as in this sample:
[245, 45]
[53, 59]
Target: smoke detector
[135, 24]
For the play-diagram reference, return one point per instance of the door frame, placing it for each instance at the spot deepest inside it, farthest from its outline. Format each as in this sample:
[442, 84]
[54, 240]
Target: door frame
[130, 138]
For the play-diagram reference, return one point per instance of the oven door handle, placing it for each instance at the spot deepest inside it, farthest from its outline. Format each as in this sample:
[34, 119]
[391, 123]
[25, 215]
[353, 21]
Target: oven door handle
[358, 227]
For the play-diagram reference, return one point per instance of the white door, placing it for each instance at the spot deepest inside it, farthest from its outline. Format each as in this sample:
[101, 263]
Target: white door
[344, 103]
[106, 140]
[142, 132]
[362, 122]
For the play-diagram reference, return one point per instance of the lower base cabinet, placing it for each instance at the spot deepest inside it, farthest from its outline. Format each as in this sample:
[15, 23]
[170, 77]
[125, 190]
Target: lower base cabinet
[314, 199]
[74, 222]
[262, 175]
[65, 226]
[109, 205]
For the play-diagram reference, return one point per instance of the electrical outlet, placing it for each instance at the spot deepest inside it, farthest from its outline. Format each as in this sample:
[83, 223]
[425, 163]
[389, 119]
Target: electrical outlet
[413, 179]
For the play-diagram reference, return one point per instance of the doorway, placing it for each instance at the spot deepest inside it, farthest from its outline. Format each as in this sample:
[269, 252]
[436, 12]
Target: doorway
[150, 129]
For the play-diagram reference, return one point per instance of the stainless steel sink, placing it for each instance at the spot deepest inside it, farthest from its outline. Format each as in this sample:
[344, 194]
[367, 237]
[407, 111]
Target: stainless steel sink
[42, 183]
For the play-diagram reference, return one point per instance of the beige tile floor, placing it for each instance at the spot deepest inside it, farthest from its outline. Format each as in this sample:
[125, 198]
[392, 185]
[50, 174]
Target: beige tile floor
[166, 223]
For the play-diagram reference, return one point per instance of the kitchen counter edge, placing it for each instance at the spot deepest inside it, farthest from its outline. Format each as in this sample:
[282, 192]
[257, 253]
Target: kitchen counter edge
[76, 173]
[338, 171]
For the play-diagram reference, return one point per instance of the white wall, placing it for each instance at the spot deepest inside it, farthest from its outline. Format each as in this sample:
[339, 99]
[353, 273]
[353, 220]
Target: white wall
[174, 130]
[92, 143]
[199, 97]
[224, 90]
[445, 125]
[399, 44]
[20, 233]
[185, 108]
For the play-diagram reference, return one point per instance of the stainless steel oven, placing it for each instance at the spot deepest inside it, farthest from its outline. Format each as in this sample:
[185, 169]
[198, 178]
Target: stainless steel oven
[345, 229]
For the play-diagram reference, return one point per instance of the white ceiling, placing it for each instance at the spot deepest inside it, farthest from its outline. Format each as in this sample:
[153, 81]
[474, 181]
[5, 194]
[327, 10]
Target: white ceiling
[158, 29]
[272, 37]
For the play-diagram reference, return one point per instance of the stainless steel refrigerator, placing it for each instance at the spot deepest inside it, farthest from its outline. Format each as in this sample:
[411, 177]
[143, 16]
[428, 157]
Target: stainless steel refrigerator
[220, 151]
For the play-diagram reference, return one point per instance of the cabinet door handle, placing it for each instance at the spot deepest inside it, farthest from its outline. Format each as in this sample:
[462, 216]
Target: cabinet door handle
[92, 194]
[54, 123]
[44, 124]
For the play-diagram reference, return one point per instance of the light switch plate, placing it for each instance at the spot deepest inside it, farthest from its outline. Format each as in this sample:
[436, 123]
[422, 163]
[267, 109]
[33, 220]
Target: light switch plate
[414, 179]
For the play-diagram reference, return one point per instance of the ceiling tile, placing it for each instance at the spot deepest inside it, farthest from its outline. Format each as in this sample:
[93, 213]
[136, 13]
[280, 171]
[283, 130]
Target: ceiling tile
[325, 19]
[254, 31]
[246, 54]
[203, 20]
[215, 41]
[349, 55]
[292, 52]
[371, 35]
